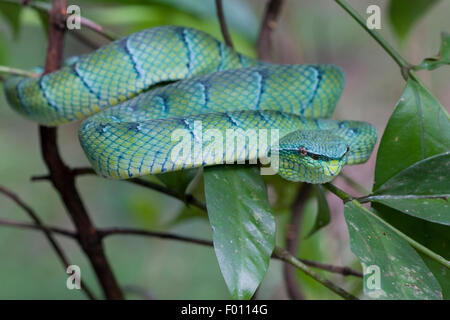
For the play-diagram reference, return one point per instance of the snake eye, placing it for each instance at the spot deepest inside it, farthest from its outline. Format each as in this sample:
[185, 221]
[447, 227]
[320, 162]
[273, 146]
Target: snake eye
[302, 151]
[315, 157]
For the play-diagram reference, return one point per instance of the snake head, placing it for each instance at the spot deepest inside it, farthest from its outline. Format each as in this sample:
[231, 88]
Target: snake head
[311, 156]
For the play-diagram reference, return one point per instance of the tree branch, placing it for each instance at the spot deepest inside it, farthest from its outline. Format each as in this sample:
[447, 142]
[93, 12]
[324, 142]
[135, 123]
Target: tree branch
[47, 232]
[188, 199]
[292, 240]
[287, 257]
[268, 24]
[17, 72]
[107, 232]
[223, 23]
[45, 7]
[62, 177]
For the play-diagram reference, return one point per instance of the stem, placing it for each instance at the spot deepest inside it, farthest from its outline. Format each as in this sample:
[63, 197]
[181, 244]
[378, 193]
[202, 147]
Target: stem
[340, 193]
[46, 7]
[403, 64]
[223, 23]
[287, 257]
[416, 245]
[18, 72]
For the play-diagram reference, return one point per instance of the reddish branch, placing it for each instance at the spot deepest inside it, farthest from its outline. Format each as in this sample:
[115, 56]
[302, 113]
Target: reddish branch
[293, 241]
[268, 24]
[223, 24]
[47, 232]
[61, 176]
[106, 232]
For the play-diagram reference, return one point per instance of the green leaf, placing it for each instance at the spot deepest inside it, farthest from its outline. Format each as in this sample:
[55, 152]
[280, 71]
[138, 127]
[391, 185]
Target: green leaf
[12, 14]
[323, 211]
[404, 13]
[434, 210]
[418, 128]
[243, 226]
[421, 190]
[392, 268]
[435, 237]
[428, 177]
[178, 180]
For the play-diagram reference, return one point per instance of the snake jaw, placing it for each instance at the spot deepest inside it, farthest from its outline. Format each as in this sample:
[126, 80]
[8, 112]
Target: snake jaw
[306, 169]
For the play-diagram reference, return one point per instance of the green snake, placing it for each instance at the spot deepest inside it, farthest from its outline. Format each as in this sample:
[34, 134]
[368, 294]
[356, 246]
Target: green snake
[134, 93]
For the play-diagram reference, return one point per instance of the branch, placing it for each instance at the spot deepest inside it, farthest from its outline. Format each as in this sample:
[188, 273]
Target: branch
[292, 240]
[106, 232]
[46, 8]
[18, 72]
[188, 199]
[403, 64]
[162, 235]
[287, 257]
[268, 24]
[223, 24]
[61, 176]
[38, 227]
[47, 232]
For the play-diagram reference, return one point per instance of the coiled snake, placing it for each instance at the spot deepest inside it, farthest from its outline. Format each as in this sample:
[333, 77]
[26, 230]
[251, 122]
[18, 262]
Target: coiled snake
[135, 93]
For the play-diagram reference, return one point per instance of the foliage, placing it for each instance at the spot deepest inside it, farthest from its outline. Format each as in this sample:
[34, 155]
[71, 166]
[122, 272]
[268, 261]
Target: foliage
[404, 236]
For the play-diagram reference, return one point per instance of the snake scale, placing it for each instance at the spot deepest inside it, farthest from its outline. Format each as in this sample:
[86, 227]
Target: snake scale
[134, 93]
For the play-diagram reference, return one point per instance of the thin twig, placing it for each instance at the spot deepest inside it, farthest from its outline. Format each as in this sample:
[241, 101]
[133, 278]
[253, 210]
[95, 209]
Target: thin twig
[98, 29]
[344, 271]
[33, 226]
[162, 235]
[61, 176]
[292, 240]
[188, 199]
[45, 7]
[223, 23]
[403, 64]
[17, 72]
[287, 257]
[268, 24]
[47, 232]
[107, 232]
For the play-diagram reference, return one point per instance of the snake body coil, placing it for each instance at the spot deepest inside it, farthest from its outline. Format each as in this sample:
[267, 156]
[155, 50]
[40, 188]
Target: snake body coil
[160, 80]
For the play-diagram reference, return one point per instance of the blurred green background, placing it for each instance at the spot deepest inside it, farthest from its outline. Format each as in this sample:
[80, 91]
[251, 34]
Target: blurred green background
[309, 31]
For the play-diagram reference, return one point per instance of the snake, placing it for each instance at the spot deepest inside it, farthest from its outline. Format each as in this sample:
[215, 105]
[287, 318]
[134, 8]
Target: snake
[133, 94]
